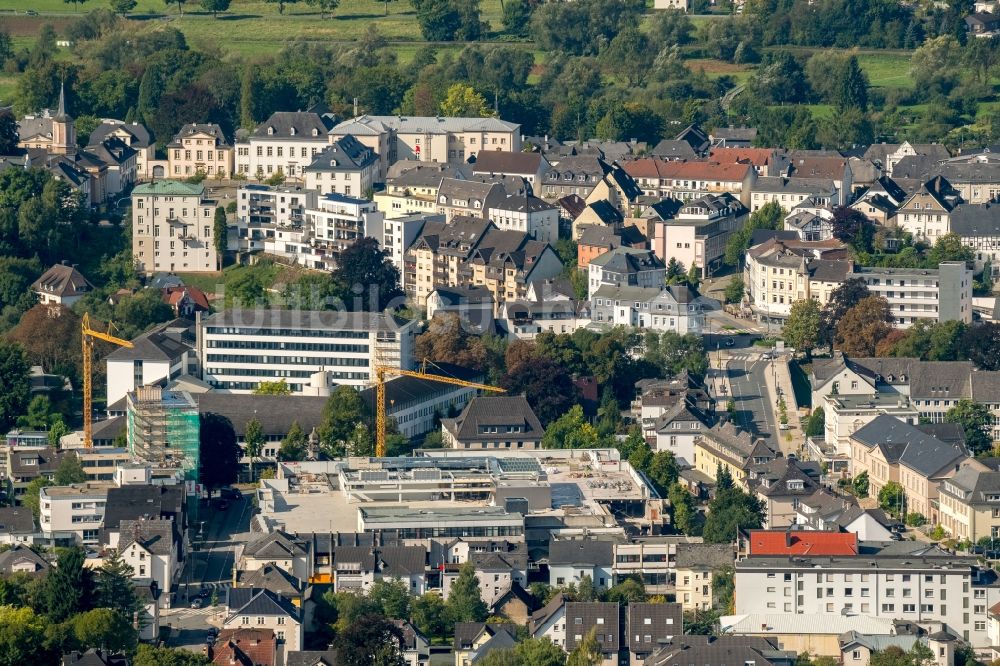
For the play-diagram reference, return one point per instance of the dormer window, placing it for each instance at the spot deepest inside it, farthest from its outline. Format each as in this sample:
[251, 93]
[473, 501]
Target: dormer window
[270, 130]
[292, 131]
[315, 132]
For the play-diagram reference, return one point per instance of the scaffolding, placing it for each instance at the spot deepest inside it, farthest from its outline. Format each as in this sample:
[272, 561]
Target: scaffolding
[164, 429]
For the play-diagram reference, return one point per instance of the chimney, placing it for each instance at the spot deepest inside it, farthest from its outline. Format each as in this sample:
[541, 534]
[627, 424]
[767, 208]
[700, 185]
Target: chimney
[788, 537]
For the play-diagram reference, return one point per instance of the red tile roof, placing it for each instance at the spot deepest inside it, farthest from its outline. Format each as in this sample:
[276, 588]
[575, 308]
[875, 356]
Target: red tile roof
[173, 295]
[781, 542]
[756, 156]
[250, 647]
[652, 167]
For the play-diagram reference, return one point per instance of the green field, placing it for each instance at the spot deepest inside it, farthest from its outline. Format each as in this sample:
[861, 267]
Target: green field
[886, 70]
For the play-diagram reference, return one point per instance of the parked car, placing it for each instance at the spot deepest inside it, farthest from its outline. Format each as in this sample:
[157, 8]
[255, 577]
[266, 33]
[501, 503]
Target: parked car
[196, 603]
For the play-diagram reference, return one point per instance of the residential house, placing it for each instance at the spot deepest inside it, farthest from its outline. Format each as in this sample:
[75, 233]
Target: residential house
[416, 648]
[200, 149]
[500, 567]
[61, 285]
[596, 239]
[136, 137]
[94, 657]
[975, 179]
[432, 139]
[21, 559]
[810, 221]
[672, 308]
[887, 155]
[262, 610]
[978, 226]
[567, 624]
[696, 137]
[524, 320]
[692, 180]
[651, 559]
[285, 143]
[591, 178]
[848, 413]
[173, 228]
[468, 198]
[672, 412]
[529, 166]
[725, 446]
[528, 214]
[276, 548]
[17, 526]
[825, 511]
[927, 212]
[764, 160]
[570, 560]
[150, 548]
[941, 294]
[346, 167]
[733, 137]
[600, 214]
[119, 161]
[148, 595]
[697, 566]
[626, 267]
[649, 627]
[25, 465]
[470, 251]
[790, 192]
[880, 201]
[412, 187]
[494, 422]
[514, 603]
[780, 485]
[246, 646]
[472, 305]
[398, 234]
[672, 149]
[982, 24]
[185, 301]
[312, 658]
[697, 237]
[475, 640]
[969, 503]
[72, 514]
[274, 578]
[723, 649]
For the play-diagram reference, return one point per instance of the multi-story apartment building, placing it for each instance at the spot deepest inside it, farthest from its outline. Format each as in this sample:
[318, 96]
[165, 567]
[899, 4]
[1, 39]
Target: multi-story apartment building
[845, 414]
[261, 210]
[970, 504]
[942, 294]
[337, 222]
[672, 308]
[399, 233]
[653, 559]
[286, 142]
[200, 148]
[698, 235]
[136, 137]
[73, 514]
[900, 579]
[626, 267]
[726, 447]
[431, 139]
[790, 192]
[592, 179]
[473, 252]
[468, 198]
[528, 166]
[528, 214]
[810, 221]
[172, 228]
[238, 349]
[691, 180]
[345, 167]
[697, 565]
[413, 191]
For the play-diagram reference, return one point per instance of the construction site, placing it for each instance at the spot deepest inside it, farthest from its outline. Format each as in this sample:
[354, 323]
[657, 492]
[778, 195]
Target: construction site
[164, 429]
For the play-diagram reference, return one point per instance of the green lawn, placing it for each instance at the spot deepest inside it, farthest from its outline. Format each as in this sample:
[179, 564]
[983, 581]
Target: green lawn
[820, 111]
[886, 70]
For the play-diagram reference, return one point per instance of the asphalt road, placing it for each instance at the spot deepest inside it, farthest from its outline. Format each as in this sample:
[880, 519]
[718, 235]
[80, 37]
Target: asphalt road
[211, 566]
[754, 411]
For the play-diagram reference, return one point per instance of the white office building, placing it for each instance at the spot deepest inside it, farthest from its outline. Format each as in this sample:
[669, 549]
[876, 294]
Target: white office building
[239, 349]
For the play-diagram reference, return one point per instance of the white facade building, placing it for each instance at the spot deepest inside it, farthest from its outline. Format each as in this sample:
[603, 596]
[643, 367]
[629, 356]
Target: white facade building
[529, 214]
[944, 294]
[672, 308]
[238, 349]
[286, 142]
[73, 514]
[172, 228]
[261, 209]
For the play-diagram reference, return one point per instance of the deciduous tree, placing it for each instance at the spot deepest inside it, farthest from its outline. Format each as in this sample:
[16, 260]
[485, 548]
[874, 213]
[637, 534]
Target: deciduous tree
[16, 391]
[367, 278]
[253, 441]
[892, 498]
[863, 326]
[293, 446]
[801, 329]
[465, 601]
[977, 422]
[70, 470]
[729, 511]
[371, 640]
[463, 101]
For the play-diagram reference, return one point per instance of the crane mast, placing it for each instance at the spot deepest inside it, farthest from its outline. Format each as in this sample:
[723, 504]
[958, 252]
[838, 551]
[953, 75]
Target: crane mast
[88, 336]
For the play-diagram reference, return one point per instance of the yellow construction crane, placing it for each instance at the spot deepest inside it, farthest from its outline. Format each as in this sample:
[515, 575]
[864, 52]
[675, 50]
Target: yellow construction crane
[89, 335]
[382, 371]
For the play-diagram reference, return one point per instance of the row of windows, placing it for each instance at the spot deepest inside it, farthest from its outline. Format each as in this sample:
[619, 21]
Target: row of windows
[288, 360]
[288, 332]
[299, 374]
[289, 346]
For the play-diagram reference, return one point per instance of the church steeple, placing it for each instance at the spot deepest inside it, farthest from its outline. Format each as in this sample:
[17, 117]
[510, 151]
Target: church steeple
[63, 130]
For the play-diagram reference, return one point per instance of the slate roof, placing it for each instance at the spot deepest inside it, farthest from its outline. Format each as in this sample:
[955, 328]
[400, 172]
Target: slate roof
[581, 617]
[20, 554]
[62, 281]
[696, 137]
[155, 535]
[720, 650]
[273, 578]
[345, 153]
[660, 622]
[211, 129]
[467, 632]
[42, 462]
[245, 646]
[112, 151]
[606, 212]
[258, 601]
[879, 152]
[275, 545]
[165, 342]
[917, 450]
[973, 484]
[587, 552]
[312, 658]
[673, 149]
[439, 124]
[302, 125]
[711, 556]
[972, 220]
[504, 162]
[134, 502]
[628, 260]
[498, 410]
[402, 561]
[139, 135]
[93, 657]
[799, 185]
[16, 520]
[573, 204]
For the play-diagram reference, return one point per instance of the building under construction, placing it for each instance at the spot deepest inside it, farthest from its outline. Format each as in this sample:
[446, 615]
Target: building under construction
[163, 429]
